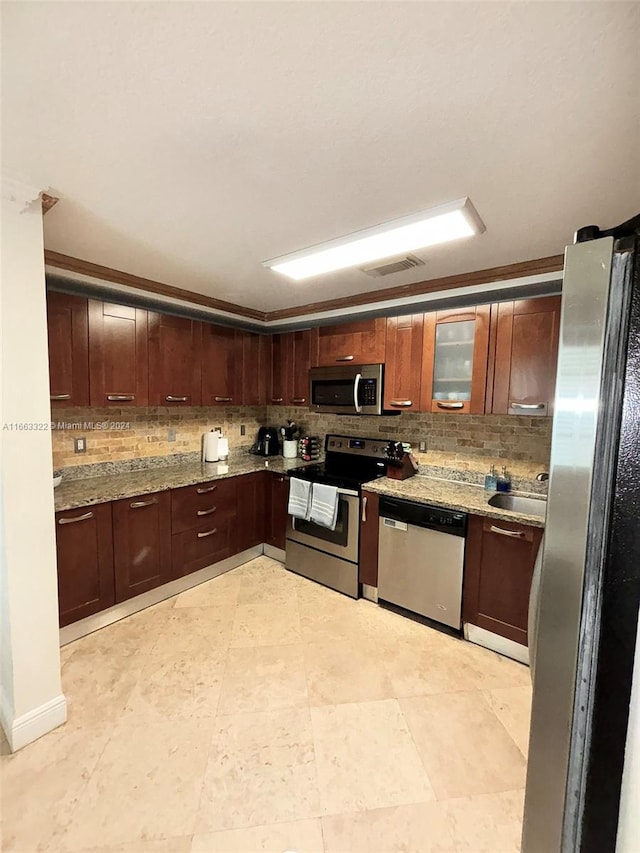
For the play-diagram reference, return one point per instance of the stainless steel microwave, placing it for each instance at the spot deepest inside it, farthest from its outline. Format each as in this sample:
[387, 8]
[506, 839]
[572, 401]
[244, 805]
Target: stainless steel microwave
[351, 389]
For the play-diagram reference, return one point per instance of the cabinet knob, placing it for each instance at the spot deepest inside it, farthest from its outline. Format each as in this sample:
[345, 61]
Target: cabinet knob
[75, 518]
[276, 399]
[171, 399]
[298, 400]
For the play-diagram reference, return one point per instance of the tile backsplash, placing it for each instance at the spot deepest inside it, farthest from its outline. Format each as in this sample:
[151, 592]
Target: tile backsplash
[466, 442]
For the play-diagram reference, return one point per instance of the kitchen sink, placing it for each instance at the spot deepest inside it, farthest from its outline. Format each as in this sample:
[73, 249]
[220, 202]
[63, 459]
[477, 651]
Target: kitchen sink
[527, 506]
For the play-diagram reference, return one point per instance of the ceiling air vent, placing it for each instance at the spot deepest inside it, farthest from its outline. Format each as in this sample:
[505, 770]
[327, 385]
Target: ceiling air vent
[408, 262]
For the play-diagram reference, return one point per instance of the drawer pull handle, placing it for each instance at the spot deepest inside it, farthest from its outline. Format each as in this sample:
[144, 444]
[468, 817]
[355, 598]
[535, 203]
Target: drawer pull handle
[528, 406]
[442, 405]
[401, 404]
[204, 491]
[60, 397]
[298, 400]
[364, 508]
[118, 398]
[223, 399]
[207, 533]
[171, 399]
[345, 358]
[75, 518]
[139, 504]
[276, 399]
[514, 534]
[206, 511]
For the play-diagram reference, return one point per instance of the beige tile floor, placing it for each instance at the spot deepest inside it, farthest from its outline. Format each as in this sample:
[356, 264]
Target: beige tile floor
[262, 712]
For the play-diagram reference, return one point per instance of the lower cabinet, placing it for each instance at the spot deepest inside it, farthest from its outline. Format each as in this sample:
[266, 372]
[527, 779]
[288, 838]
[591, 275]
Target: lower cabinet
[277, 500]
[369, 534]
[252, 508]
[84, 547]
[141, 543]
[499, 560]
[203, 524]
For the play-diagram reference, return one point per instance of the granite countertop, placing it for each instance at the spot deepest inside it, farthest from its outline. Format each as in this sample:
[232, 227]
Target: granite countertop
[452, 495]
[71, 494]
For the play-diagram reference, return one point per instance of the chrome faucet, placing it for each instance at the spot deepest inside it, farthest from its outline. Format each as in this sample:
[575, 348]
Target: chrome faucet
[542, 477]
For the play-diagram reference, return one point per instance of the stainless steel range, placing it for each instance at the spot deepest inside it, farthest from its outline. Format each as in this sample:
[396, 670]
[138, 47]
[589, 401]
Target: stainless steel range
[330, 557]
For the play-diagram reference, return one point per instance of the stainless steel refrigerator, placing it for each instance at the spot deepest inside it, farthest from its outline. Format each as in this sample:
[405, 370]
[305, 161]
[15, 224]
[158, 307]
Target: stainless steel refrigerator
[586, 589]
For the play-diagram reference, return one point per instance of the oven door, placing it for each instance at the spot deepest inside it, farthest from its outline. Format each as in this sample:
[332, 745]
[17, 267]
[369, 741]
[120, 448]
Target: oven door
[354, 389]
[341, 542]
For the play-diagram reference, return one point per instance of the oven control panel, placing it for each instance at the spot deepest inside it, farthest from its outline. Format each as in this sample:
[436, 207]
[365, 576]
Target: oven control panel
[374, 447]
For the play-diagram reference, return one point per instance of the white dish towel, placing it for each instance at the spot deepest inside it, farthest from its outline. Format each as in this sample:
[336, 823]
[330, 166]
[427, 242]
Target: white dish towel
[324, 505]
[299, 498]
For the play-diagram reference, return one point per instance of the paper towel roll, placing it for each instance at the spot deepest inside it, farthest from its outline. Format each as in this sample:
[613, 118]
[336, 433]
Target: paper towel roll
[223, 449]
[210, 446]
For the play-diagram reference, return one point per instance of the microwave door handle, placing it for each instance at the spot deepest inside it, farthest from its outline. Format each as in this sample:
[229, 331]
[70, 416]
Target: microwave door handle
[356, 388]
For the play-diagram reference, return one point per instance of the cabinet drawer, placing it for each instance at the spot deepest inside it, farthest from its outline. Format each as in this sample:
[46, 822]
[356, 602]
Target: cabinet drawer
[193, 506]
[194, 549]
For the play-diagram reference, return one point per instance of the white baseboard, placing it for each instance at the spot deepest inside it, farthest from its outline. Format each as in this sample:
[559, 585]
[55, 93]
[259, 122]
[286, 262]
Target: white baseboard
[274, 553]
[22, 730]
[482, 637]
[133, 605]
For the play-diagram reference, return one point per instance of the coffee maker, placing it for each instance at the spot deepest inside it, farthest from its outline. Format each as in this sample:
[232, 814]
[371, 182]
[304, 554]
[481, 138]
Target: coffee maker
[267, 443]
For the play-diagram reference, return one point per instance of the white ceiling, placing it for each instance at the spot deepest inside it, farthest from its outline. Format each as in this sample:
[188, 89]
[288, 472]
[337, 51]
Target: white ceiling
[191, 141]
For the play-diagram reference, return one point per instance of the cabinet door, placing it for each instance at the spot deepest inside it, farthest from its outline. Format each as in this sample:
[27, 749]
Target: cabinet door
[454, 360]
[499, 560]
[281, 367]
[221, 366]
[300, 359]
[68, 331]
[526, 356]
[141, 543]
[256, 368]
[361, 342]
[278, 493]
[369, 533]
[252, 490]
[118, 355]
[175, 356]
[84, 549]
[403, 367]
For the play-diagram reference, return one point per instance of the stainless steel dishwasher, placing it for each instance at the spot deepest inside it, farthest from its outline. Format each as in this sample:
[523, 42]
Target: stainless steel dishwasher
[421, 559]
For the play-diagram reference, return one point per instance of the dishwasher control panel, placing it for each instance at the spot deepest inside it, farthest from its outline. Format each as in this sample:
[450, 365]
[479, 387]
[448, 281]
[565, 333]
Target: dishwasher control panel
[423, 515]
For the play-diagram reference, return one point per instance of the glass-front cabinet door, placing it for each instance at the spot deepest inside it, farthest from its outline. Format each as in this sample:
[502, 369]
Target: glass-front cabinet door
[455, 355]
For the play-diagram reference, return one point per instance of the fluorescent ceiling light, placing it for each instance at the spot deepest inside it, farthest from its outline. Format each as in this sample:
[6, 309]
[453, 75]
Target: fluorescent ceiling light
[450, 221]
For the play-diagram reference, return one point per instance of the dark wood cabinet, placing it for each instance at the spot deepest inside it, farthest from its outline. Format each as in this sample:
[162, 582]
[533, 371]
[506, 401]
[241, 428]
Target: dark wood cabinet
[84, 548]
[252, 506]
[499, 560]
[141, 543]
[281, 367]
[454, 360]
[403, 367]
[256, 368]
[277, 516]
[203, 524]
[369, 534]
[221, 366]
[360, 342]
[68, 333]
[175, 360]
[300, 359]
[118, 355]
[526, 356]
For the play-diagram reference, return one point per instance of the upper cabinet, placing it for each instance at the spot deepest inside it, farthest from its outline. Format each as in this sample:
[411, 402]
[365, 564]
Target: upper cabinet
[280, 384]
[256, 366]
[118, 355]
[67, 324]
[175, 355]
[454, 360]
[290, 363]
[526, 356]
[221, 366]
[403, 368]
[361, 342]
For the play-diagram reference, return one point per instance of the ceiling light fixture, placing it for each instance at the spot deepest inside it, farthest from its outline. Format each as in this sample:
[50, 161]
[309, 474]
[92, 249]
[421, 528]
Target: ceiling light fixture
[450, 221]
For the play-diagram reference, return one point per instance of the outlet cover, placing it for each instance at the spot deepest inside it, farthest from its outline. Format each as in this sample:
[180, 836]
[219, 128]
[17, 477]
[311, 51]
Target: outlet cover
[243, 429]
[171, 434]
[80, 445]
[423, 446]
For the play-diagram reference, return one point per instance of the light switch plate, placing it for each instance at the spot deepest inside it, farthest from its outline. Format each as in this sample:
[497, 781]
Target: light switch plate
[80, 445]
[171, 434]
[422, 446]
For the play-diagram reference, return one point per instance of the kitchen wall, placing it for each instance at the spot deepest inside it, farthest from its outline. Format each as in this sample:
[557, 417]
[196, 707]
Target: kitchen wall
[467, 442]
[116, 435]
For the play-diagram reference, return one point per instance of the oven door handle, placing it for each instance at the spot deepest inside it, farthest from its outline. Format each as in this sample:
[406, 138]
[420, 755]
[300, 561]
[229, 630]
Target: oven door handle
[356, 389]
